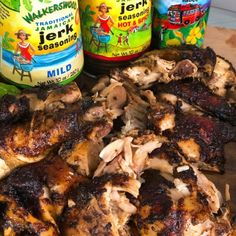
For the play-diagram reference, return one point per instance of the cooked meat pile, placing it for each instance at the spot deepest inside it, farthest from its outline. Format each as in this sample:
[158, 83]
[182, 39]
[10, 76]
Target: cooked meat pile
[124, 158]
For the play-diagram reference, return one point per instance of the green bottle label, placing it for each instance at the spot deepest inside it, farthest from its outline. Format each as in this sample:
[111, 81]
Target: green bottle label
[180, 22]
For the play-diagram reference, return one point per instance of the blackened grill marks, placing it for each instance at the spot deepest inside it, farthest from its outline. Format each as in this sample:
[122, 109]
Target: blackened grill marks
[46, 130]
[157, 206]
[169, 151]
[91, 211]
[210, 134]
[13, 109]
[96, 187]
[3, 208]
[153, 193]
[174, 224]
[197, 94]
[25, 187]
[42, 91]
[200, 56]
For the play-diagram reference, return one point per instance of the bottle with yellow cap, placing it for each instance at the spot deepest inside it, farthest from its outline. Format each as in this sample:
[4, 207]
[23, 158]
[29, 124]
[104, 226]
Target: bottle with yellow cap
[40, 41]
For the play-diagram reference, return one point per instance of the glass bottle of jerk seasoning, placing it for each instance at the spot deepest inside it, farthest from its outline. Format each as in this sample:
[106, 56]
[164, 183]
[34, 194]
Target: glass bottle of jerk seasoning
[177, 22]
[114, 32]
[41, 41]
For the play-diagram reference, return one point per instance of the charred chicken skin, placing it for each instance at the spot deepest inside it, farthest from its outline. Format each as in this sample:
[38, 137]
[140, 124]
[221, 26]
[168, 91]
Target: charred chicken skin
[176, 206]
[100, 207]
[200, 139]
[197, 94]
[49, 98]
[31, 140]
[32, 197]
[13, 109]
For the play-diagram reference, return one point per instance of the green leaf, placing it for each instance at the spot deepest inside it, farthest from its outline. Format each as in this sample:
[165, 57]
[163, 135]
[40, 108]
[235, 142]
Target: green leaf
[14, 5]
[6, 41]
[10, 47]
[8, 89]
[6, 35]
[28, 5]
[92, 12]
[11, 40]
[89, 18]
[87, 8]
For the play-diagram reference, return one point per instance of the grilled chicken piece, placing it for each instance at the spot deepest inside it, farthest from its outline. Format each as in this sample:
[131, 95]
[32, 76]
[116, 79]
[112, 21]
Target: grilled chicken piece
[198, 95]
[203, 58]
[31, 140]
[170, 64]
[223, 78]
[175, 198]
[32, 197]
[15, 220]
[151, 68]
[49, 98]
[13, 109]
[169, 161]
[83, 156]
[53, 97]
[200, 139]
[175, 204]
[100, 207]
[162, 117]
[178, 103]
